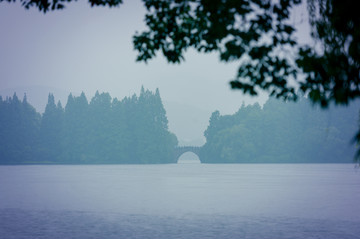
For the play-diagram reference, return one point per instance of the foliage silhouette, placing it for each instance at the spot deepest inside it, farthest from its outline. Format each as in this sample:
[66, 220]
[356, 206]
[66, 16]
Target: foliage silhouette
[258, 35]
[281, 133]
[106, 130]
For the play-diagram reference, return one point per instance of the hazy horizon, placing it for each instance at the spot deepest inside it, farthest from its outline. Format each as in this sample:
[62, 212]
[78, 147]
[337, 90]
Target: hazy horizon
[88, 49]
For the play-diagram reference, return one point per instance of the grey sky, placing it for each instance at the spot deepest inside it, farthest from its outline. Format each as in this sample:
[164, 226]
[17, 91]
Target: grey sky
[88, 49]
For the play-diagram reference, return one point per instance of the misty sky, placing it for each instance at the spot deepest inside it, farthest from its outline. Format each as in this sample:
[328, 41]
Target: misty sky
[88, 49]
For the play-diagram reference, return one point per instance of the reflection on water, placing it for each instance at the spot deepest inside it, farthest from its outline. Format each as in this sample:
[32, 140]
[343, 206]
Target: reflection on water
[180, 201]
[188, 157]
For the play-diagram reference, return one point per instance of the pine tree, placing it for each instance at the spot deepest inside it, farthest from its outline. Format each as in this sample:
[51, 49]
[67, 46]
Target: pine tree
[76, 129]
[51, 131]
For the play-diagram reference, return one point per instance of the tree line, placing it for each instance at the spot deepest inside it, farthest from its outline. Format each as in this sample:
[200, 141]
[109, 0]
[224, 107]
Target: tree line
[104, 130]
[282, 132]
[135, 130]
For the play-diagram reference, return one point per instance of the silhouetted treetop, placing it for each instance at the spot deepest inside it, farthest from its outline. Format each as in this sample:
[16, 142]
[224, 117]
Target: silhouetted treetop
[258, 35]
[106, 130]
[51, 5]
[281, 132]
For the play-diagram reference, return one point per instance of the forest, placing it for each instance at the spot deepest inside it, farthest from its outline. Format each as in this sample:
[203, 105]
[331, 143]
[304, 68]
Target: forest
[105, 130]
[134, 130]
[282, 132]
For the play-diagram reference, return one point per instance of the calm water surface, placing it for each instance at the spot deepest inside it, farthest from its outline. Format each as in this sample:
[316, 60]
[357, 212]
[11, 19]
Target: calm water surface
[180, 201]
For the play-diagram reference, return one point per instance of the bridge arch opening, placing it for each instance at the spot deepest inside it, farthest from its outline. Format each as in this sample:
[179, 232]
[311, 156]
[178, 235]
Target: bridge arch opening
[188, 158]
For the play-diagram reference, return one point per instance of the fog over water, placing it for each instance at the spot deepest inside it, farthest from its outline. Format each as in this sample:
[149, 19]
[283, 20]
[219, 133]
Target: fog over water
[89, 49]
[180, 201]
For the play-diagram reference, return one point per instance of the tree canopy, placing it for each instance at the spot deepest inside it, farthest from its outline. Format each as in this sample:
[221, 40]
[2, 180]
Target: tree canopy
[281, 132]
[258, 35]
[104, 130]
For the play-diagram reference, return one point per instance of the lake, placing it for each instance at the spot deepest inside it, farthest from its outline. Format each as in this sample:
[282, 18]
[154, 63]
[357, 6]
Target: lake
[186, 200]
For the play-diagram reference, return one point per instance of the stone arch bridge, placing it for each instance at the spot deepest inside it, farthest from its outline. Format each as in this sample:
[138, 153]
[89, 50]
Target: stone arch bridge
[178, 151]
